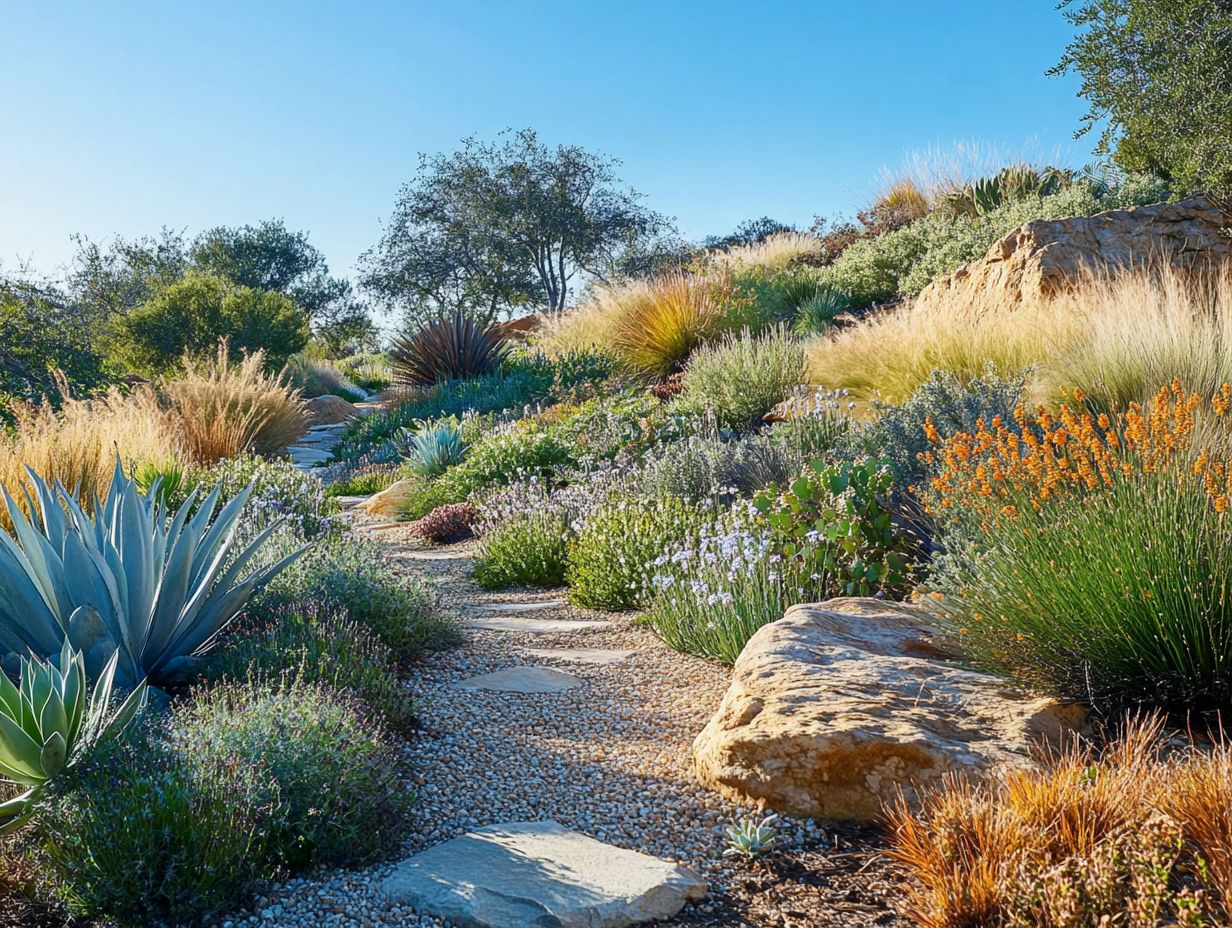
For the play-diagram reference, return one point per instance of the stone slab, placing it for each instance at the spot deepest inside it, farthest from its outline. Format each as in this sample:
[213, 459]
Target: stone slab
[524, 679]
[530, 626]
[540, 875]
[583, 655]
[534, 606]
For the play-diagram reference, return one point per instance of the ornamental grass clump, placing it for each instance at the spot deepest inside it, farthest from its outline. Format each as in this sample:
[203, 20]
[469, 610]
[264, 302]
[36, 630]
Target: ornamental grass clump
[1124, 836]
[1088, 552]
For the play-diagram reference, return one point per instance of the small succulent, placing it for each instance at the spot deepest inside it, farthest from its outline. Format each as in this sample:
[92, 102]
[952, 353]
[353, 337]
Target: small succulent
[751, 839]
[432, 448]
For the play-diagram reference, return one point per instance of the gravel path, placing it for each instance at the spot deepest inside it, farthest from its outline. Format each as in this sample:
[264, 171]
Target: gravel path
[609, 758]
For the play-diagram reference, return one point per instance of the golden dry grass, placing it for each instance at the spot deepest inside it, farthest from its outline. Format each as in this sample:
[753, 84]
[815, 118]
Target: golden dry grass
[776, 253]
[79, 444]
[219, 408]
[651, 324]
[1113, 835]
[1118, 338]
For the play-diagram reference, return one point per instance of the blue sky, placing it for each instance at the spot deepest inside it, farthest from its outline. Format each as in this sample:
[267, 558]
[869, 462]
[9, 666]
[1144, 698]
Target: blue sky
[121, 118]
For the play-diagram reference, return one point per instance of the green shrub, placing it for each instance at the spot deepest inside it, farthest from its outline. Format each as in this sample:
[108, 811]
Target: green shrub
[328, 774]
[365, 483]
[517, 453]
[280, 491]
[373, 372]
[824, 535]
[355, 577]
[147, 836]
[741, 378]
[611, 560]
[191, 315]
[523, 540]
[899, 433]
[316, 645]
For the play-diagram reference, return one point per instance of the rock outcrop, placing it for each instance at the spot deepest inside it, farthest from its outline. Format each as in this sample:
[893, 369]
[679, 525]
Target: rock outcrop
[330, 410]
[839, 705]
[1044, 257]
[539, 874]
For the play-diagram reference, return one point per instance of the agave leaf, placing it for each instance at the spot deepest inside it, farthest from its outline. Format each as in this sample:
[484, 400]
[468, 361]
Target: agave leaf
[54, 755]
[16, 812]
[20, 753]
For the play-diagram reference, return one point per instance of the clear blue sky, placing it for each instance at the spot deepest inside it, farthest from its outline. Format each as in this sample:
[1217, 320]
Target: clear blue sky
[124, 117]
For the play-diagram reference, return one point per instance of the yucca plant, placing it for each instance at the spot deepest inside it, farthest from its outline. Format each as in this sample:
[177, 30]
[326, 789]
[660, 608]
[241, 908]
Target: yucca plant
[50, 719]
[451, 349]
[432, 448]
[131, 579]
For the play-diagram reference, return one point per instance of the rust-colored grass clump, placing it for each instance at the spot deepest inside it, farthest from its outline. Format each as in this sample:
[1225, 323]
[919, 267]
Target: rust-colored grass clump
[1126, 837]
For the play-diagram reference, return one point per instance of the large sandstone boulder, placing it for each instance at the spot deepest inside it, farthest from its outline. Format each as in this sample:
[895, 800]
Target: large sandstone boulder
[1044, 257]
[330, 409]
[838, 705]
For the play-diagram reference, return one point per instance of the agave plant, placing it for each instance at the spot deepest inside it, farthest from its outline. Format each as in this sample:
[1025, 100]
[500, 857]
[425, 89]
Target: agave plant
[432, 448]
[451, 349]
[751, 839]
[133, 580]
[50, 719]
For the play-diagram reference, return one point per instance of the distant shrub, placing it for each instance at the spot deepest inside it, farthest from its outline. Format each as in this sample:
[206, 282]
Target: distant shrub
[191, 315]
[329, 776]
[741, 378]
[316, 377]
[220, 409]
[144, 835]
[611, 560]
[373, 372]
[355, 577]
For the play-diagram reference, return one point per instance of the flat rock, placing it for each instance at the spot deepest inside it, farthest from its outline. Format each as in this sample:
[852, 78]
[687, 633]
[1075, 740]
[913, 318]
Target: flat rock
[303, 455]
[521, 607]
[837, 706]
[525, 679]
[531, 626]
[582, 655]
[540, 875]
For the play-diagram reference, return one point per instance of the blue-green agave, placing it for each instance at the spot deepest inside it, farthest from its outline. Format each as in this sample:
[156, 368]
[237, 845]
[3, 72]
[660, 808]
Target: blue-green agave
[132, 580]
[49, 719]
[433, 447]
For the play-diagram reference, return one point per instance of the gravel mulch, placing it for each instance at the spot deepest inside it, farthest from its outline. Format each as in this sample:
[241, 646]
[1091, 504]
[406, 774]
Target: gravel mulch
[609, 758]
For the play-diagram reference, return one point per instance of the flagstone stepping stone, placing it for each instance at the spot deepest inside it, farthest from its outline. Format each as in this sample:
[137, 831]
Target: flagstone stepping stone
[530, 626]
[522, 607]
[525, 679]
[540, 875]
[583, 655]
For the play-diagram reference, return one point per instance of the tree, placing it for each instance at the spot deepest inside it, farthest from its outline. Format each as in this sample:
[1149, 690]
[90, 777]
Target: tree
[41, 335]
[749, 232]
[270, 257]
[496, 226]
[1160, 73]
[106, 281]
[191, 315]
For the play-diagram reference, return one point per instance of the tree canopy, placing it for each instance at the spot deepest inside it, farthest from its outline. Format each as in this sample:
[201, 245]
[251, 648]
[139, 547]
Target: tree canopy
[1158, 74]
[497, 226]
[191, 315]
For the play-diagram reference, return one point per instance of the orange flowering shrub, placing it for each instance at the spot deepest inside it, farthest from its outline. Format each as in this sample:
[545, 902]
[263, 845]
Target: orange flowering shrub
[1089, 553]
[997, 468]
